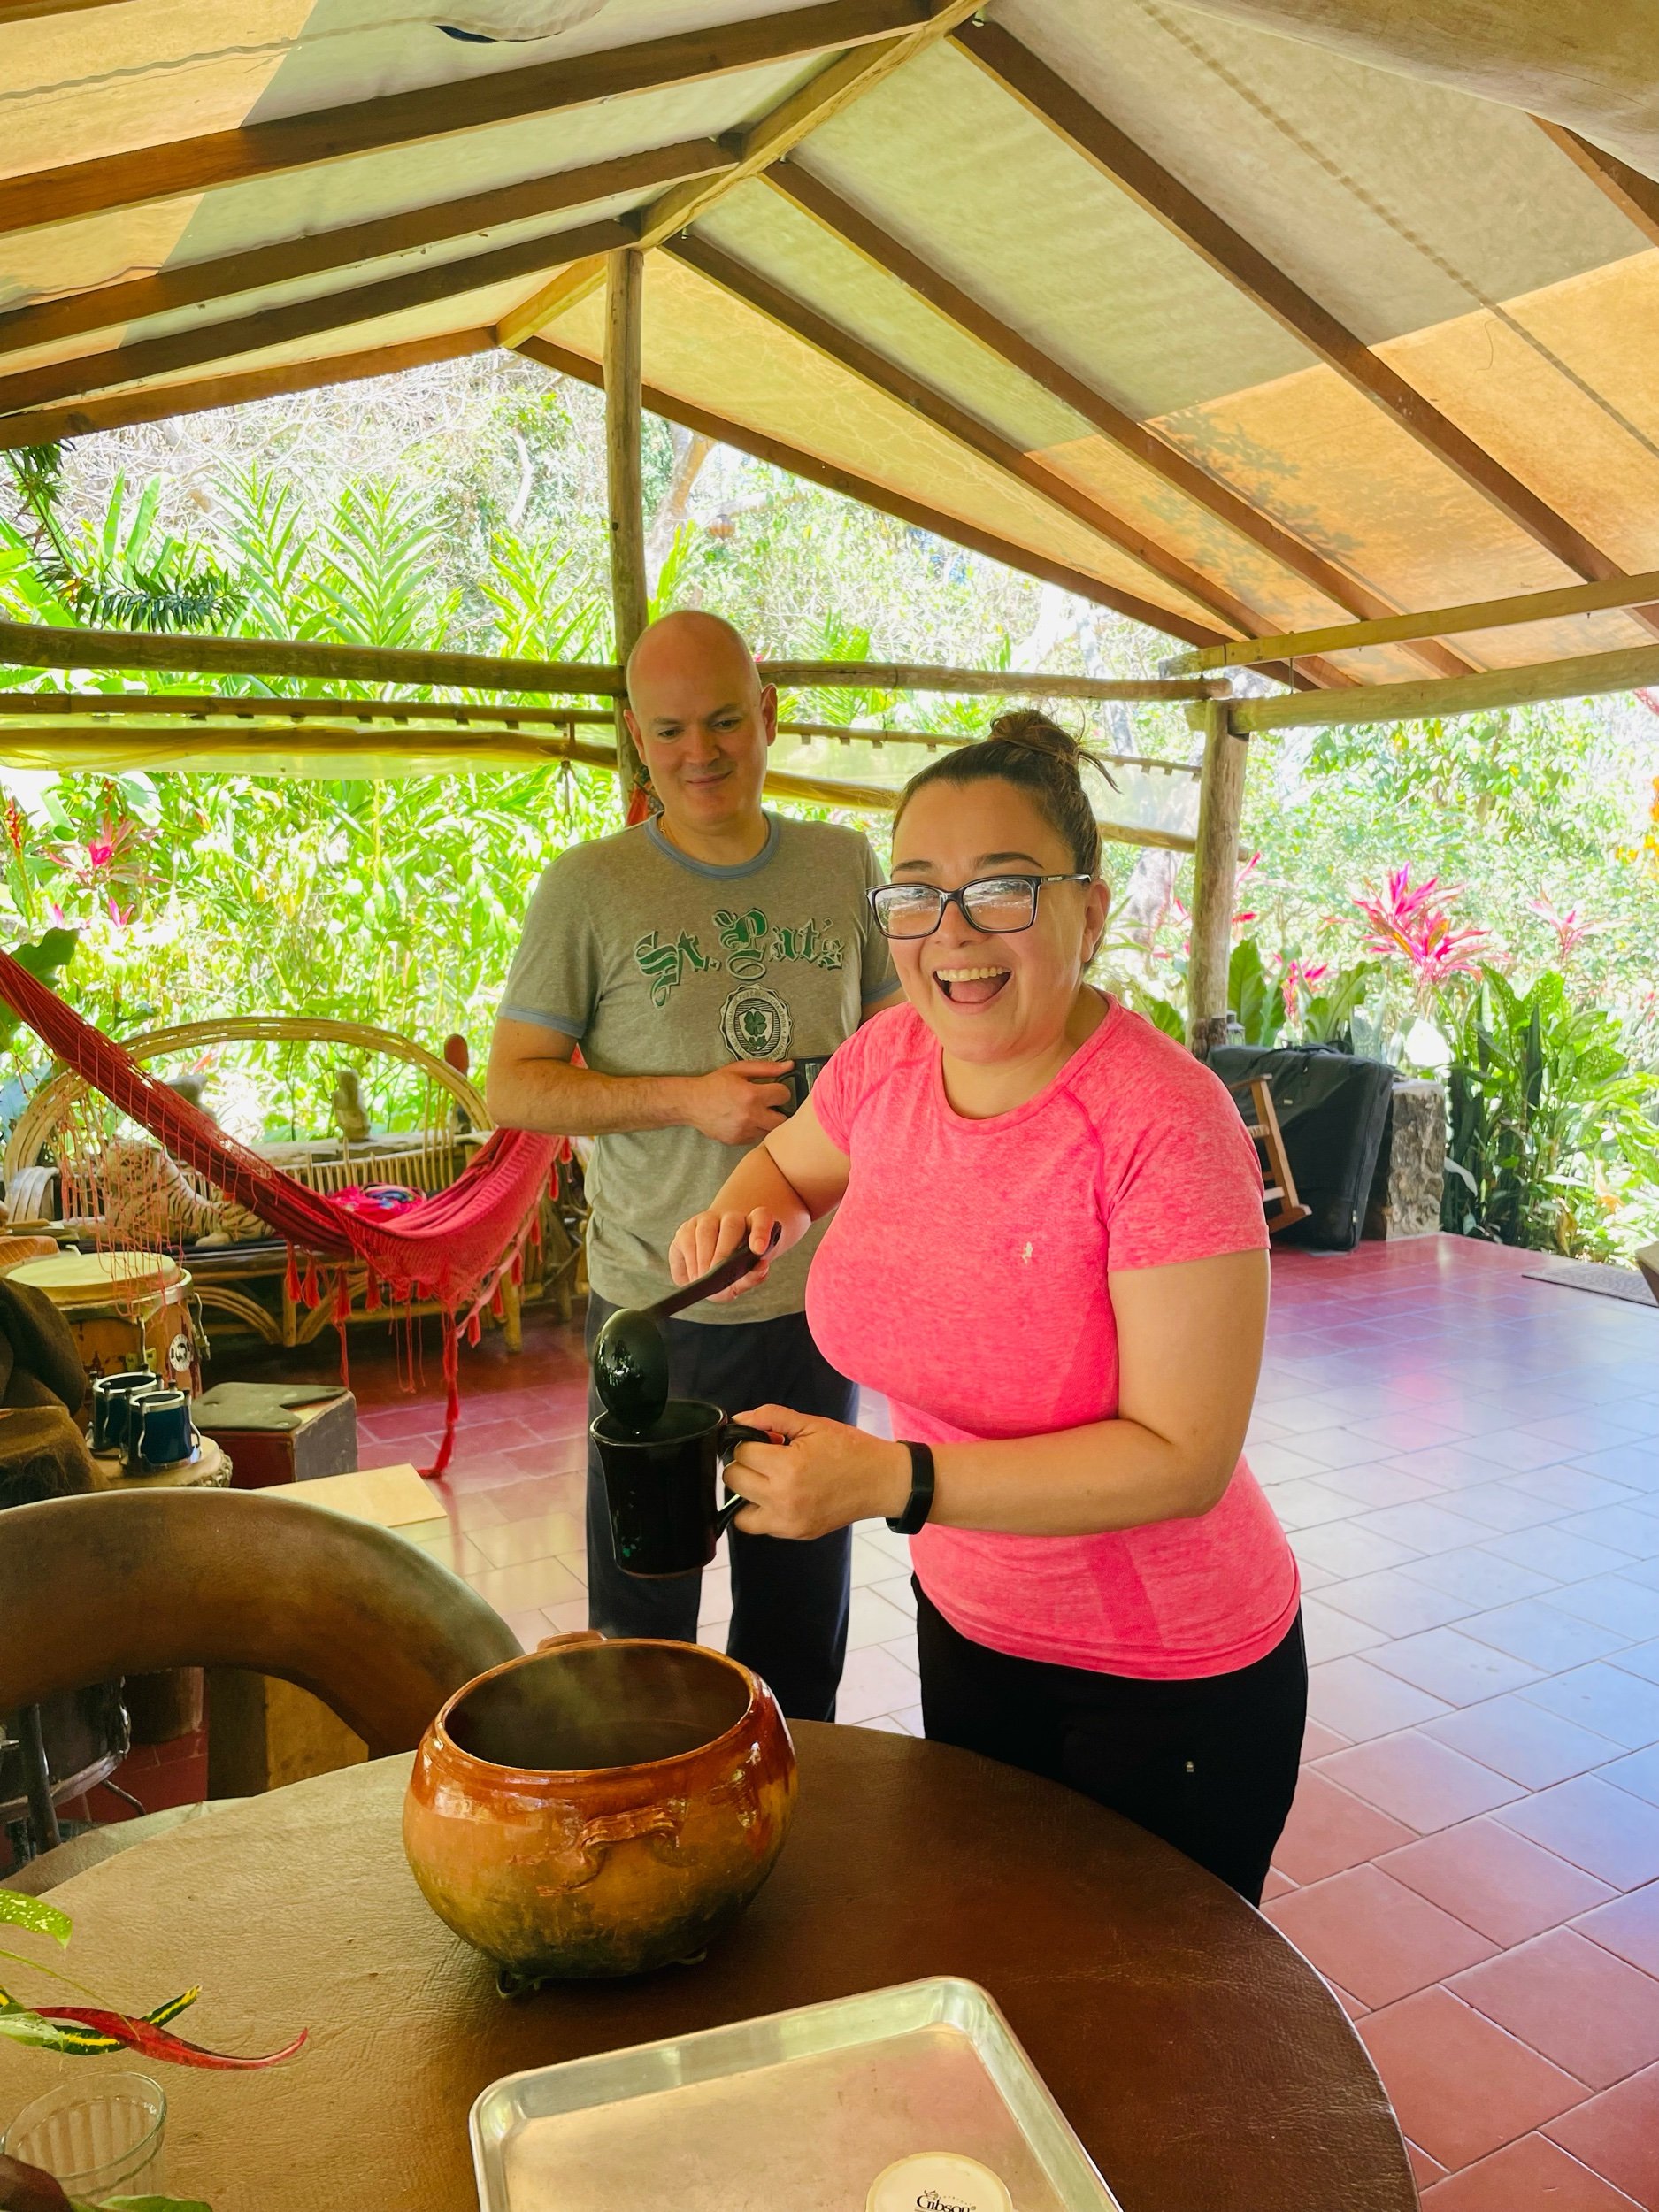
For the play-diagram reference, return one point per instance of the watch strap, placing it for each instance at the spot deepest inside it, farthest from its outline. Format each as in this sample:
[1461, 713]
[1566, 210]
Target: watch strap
[920, 1502]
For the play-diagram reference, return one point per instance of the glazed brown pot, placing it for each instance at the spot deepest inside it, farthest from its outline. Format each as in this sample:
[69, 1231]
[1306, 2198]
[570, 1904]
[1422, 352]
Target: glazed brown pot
[599, 1807]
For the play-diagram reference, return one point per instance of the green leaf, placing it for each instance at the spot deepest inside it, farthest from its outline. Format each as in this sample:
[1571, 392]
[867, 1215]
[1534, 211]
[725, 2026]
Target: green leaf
[34, 1914]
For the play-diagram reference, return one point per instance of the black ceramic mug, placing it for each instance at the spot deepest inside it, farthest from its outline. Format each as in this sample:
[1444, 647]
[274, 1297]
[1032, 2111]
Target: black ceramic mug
[660, 1486]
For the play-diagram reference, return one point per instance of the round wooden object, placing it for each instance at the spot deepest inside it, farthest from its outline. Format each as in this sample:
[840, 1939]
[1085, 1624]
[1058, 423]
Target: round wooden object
[125, 1309]
[1204, 2063]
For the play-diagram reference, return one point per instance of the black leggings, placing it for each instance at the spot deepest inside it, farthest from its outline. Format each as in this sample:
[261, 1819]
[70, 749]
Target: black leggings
[1208, 1763]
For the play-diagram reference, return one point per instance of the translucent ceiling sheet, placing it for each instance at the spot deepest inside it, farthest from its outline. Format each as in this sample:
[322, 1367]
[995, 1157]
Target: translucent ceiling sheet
[959, 172]
[74, 256]
[1395, 202]
[1593, 65]
[705, 346]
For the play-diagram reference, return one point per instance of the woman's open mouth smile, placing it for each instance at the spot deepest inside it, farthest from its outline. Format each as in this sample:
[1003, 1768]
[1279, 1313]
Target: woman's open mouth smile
[971, 987]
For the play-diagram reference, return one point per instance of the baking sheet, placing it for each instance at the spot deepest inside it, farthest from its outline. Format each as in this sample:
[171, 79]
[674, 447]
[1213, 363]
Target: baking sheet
[796, 2112]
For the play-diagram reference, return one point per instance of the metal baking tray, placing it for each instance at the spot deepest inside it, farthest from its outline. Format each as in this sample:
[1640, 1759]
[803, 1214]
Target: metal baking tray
[796, 2112]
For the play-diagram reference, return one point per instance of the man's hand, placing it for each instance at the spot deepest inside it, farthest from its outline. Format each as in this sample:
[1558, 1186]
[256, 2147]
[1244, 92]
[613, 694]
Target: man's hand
[741, 1104]
[824, 1475]
[703, 1241]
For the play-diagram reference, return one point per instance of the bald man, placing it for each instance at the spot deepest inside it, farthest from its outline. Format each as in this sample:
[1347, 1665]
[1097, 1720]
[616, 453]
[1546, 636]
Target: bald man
[699, 960]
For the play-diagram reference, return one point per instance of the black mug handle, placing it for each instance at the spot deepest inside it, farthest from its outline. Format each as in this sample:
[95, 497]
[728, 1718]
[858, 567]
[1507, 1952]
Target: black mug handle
[731, 1435]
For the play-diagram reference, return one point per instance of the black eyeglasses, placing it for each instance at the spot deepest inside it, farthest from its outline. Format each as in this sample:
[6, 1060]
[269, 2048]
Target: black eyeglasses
[997, 904]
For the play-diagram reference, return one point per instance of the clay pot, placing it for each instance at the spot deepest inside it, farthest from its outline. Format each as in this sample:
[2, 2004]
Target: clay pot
[599, 1807]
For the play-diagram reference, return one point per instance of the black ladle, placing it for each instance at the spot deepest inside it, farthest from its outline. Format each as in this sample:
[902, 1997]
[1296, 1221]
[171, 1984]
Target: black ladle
[630, 1356]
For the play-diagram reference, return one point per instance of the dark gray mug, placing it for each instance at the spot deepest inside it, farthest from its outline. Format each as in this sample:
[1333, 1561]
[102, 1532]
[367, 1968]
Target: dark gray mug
[109, 1393]
[160, 1433]
[660, 1486]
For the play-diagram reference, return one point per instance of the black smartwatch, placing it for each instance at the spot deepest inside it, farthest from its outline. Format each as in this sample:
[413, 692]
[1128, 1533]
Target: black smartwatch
[920, 1502]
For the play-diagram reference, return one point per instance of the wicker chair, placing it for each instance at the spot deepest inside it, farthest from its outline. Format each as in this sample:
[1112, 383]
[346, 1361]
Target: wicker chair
[226, 1276]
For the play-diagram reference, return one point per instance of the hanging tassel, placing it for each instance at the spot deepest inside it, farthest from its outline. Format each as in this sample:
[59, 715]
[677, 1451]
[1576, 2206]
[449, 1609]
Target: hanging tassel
[293, 1276]
[371, 1299]
[517, 1264]
[342, 1315]
[309, 1289]
[452, 1401]
[474, 1327]
[498, 1303]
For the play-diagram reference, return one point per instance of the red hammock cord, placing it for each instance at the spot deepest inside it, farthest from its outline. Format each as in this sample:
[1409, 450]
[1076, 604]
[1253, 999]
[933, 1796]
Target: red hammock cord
[452, 1248]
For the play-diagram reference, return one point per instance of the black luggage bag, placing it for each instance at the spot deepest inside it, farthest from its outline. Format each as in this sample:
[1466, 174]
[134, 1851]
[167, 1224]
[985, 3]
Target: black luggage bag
[1333, 1110]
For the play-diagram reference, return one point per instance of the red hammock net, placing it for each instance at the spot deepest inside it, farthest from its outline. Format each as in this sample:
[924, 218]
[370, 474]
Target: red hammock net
[453, 1248]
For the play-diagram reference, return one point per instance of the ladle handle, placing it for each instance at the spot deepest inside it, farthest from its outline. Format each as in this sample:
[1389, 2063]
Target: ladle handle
[731, 1270]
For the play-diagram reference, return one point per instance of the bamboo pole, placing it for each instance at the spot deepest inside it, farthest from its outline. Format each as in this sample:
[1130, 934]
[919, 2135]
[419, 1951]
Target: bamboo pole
[1220, 807]
[1397, 629]
[625, 302]
[53, 645]
[1589, 676]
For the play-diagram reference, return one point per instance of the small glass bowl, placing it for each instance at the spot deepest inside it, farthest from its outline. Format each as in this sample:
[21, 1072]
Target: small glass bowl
[98, 2140]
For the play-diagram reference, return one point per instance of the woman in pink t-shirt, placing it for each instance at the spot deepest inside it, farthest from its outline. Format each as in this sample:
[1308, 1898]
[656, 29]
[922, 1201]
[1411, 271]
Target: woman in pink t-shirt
[1049, 1253]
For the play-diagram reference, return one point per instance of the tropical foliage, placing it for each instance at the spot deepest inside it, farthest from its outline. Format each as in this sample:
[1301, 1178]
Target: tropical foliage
[463, 507]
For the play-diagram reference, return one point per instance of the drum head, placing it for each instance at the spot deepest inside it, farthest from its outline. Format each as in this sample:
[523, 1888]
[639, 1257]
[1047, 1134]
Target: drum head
[78, 1278]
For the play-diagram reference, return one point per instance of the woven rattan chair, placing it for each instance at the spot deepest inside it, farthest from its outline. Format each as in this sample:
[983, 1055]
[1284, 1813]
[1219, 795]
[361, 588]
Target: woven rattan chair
[224, 1279]
[92, 1588]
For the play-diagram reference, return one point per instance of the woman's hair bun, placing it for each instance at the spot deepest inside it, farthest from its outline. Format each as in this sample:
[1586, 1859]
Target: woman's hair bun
[1029, 726]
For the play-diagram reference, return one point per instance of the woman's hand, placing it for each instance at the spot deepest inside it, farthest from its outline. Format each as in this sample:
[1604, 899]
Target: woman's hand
[822, 1477]
[703, 1241]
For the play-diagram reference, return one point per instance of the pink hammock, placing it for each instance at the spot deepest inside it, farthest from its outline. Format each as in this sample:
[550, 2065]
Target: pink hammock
[453, 1248]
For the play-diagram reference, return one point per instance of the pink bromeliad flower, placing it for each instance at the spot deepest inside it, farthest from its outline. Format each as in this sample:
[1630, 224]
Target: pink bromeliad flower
[1413, 922]
[1298, 978]
[1570, 929]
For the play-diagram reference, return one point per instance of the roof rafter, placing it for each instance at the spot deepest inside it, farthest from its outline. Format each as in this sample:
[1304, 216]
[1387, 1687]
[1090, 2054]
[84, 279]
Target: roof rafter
[255, 269]
[1635, 195]
[258, 152]
[828, 474]
[204, 343]
[1116, 157]
[850, 353]
[44, 425]
[829, 90]
[888, 253]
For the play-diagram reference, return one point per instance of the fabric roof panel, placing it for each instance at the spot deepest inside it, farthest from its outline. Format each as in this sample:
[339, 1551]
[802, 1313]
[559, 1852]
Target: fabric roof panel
[98, 250]
[770, 235]
[1395, 202]
[109, 80]
[713, 351]
[1312, 453]
[945, 161]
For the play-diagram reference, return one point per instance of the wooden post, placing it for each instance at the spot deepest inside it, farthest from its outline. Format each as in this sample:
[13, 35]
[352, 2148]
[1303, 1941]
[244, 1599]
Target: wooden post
[1215, 876]
[624, 295]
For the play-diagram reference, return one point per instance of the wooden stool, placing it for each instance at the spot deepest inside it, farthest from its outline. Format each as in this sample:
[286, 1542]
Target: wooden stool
[1284, 1208]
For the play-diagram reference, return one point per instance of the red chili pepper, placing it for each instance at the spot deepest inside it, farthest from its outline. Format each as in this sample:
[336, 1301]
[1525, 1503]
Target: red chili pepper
[146, 2038]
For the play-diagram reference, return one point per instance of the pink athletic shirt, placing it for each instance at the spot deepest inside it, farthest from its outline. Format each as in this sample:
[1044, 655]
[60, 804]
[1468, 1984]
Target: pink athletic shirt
[964, 1274]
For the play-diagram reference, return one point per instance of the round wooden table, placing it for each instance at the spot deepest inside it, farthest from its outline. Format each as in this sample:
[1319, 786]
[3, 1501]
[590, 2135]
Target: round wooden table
[1204, 2063]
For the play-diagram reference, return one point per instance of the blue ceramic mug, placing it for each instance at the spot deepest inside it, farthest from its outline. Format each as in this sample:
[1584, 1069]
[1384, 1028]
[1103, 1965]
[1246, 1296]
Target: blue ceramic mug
[109, 1394]
[108, 1414]
[160, 1433]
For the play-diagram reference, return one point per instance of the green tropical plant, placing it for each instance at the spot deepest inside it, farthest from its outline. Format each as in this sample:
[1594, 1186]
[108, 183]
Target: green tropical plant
[1255, 998]
[1549, 1139]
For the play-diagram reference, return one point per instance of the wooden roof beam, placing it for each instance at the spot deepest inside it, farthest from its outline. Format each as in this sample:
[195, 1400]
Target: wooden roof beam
[258, 268]
[1635, 196]
[204, 343]
[1589, 675]
[83, 418]
[259, 151]
[1480, 614]
[1048, 96]
[833, 477]
[884, 252]
[754, 150]
[768, 299]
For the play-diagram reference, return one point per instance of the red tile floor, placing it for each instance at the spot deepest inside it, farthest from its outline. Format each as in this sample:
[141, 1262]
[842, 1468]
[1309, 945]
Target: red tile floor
[1468, 1464]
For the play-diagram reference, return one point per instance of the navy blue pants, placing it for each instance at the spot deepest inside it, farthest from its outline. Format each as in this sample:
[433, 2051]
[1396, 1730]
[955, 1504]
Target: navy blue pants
[789, 1601]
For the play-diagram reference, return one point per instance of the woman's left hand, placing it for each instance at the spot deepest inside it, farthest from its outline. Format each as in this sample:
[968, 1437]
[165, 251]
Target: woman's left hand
[823, 1477]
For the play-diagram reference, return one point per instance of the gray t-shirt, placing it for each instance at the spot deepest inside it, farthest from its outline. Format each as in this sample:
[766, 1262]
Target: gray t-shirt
[659, 964]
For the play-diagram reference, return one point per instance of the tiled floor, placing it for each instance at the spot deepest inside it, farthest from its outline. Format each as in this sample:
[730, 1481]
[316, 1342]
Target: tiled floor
[1468, 1464]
